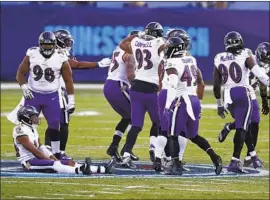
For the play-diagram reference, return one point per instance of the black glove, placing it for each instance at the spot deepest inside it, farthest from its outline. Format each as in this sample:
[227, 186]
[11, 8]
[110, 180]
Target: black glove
[265, 106]
[221, 111]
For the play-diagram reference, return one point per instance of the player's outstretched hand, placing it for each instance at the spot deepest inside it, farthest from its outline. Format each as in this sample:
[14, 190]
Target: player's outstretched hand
[265, 106]
[71, 104]
[105, 62]
[141, 34]
[222, 111]
[28, 95]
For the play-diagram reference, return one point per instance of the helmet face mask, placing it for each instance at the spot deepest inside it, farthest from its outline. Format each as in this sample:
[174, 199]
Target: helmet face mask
[181, 34]
[47, 43]
[233, 42]
[64, 39]
[175, 47]
[28, 115]
[263, 54]
[154, 29]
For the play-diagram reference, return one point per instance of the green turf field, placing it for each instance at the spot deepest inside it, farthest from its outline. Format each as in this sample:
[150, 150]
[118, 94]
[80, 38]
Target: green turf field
[91, 135]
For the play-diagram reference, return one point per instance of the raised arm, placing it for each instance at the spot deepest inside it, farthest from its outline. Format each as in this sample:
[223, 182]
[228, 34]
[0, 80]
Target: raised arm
[125, 44]
[200, 84]
[105, 62]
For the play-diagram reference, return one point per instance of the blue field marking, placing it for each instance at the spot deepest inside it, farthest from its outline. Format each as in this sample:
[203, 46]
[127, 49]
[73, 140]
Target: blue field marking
[11, 168]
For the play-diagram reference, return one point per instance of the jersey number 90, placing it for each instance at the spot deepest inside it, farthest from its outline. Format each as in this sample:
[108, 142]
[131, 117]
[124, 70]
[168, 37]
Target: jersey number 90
[234, 72]
[48, 73]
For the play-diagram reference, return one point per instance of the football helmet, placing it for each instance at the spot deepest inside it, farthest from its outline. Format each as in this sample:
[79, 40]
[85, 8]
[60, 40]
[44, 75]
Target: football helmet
[154, 29]
[175, 47]
[182, 34]
[263, 53]
[47, 43]
[64, 39]
[28, 115]
[233, 42]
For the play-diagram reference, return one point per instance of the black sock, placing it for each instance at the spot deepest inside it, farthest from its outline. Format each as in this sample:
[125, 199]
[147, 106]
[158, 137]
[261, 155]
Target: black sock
[238, 140]
[174, 147]
[121, 126]
[154, 131]
[63, 136]
[204, 145]
[131, 138]
[232, 126]
[47, 137]
[167, 148]
[254, 127]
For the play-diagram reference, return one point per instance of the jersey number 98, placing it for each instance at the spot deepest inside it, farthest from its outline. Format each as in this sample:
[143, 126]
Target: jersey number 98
[48, 73]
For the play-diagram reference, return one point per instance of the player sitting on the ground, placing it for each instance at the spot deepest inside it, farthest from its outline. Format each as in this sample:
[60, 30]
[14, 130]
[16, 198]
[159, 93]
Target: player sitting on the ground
[36, 157]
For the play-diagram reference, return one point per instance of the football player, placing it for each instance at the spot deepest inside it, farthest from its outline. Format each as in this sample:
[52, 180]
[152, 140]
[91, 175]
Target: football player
[116, 91]
[263, 59]
[45, 65]
[162, 143]
[37, 158]
[183, 108]
[232, 69]
[146, 49]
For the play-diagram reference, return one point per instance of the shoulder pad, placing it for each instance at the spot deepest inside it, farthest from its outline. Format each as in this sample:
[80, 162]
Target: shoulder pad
[31, 50]
[19, 131]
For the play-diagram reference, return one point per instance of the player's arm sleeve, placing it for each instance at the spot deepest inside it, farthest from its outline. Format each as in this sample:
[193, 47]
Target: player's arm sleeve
[258, 72]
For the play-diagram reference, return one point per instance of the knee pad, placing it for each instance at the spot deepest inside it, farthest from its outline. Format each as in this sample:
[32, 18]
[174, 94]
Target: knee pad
[122, 125]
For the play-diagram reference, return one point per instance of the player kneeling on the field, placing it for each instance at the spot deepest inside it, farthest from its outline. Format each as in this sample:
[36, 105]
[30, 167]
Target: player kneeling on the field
[36, 157]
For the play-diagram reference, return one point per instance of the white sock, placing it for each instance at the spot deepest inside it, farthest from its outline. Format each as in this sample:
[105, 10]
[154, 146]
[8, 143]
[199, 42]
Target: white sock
[119, 133]
[160, 145]
[252, 154]
[62, 152]
[247, 157]
[55, 146]
[153, 142]
[126, 154]
[237, 159]
[65, 169]
[97, 169]
[183, 144]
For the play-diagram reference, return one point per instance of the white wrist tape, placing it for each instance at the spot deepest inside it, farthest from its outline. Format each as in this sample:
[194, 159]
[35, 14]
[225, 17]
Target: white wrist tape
[258, 72]
[71, 98]
[219, 103]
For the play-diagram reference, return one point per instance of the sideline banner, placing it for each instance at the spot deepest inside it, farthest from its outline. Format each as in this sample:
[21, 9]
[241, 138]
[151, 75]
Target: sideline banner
[98, 31]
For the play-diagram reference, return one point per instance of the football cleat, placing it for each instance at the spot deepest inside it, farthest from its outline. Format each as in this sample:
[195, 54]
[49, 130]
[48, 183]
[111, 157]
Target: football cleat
[110, 165]
[223, 133]
[218, 165]
[64, 156]
[247, 162]
[127, 162]
[257, 162]
[157, 166]
[235, 166]
[85, 168]
[132, 155]
[113, 152]
[176, 168]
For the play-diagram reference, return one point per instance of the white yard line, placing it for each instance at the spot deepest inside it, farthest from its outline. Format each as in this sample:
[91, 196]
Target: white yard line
[31, 197]
[71, 195]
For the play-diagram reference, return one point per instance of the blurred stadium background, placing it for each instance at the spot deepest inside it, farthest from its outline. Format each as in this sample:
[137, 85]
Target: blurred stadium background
[99, 26]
